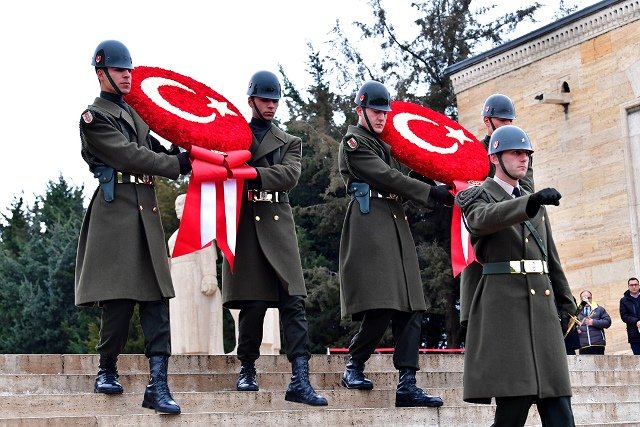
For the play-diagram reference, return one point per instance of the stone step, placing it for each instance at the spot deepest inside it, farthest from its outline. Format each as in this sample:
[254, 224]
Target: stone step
[136, 363]
[586, 414]
[272, 381]
[88, 403]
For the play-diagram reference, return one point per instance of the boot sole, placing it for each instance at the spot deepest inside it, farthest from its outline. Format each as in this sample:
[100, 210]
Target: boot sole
[158, 411]
[293, 398]
[360, 387]
[414, 405]
[108, 392]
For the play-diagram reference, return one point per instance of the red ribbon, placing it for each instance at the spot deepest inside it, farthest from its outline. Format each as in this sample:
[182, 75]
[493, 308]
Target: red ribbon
[462, 253]
[213, 202]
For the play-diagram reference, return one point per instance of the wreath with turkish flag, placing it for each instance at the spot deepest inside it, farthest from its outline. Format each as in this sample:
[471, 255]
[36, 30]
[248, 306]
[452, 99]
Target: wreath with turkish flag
[434, 145]
[439, 148]
[187, 112]
[195, 117]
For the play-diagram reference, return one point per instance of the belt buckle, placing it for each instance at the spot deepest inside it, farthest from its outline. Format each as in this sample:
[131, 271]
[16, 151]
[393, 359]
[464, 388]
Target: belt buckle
[533, 266]
[393, 196]
[515, 267]
[260, 196]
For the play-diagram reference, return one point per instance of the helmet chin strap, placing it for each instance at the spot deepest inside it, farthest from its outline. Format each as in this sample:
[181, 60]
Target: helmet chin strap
[505, 169]
[493, 127]
[113, 84]
[253, 106]
[366, 119]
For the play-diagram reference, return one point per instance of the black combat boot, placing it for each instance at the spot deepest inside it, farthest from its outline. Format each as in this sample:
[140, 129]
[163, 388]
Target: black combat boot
[247, 378]
[408, 394]
[300, 389]
[107, 379]
[353, 376]
[157, 395]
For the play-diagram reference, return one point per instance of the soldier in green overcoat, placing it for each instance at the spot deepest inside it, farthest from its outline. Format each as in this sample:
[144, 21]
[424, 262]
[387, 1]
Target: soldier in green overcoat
[267, 269]
[122, 257]
[514, 349]
[379, 273]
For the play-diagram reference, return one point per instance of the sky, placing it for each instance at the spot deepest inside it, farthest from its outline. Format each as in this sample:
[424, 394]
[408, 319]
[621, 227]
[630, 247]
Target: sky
[47, 79]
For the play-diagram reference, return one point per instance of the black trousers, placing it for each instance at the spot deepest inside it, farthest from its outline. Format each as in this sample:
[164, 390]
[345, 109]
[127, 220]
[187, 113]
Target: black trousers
[406, 328]
[114, 327]
[592, 350]
[293, 321]
[513, 411]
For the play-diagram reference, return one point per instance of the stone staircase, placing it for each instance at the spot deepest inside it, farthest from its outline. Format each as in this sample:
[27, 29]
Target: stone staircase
[56, 390]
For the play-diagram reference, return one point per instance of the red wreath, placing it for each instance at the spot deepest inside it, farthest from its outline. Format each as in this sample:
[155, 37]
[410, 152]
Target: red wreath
[187, 112]
[434, 145]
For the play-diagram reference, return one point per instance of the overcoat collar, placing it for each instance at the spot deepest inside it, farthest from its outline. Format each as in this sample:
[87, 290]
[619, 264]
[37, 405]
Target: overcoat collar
[273, 139]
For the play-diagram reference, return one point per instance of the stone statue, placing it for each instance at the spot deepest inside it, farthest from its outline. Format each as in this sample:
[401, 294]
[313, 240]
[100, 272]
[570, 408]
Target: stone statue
[270, 332]
[196, 310]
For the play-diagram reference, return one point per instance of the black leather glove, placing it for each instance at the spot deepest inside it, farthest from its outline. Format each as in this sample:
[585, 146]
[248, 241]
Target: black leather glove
[546, 196]
[185, 164]
[441, 194]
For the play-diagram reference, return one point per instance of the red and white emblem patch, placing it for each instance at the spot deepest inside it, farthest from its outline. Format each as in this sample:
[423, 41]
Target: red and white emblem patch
[352, 143]
[495, 144]
[87, 117]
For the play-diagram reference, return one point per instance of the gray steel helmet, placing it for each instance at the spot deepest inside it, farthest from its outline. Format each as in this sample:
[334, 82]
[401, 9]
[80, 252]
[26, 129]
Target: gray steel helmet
[374, 95]
[509, 137]
[112, 53]
[500, 106]
[264, 84]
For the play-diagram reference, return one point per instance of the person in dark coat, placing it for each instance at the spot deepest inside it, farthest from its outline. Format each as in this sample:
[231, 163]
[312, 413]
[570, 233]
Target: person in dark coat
[380, 280]
[122, 257]
[630, 313]
[593, 319]
[514, 350]
[268, 271]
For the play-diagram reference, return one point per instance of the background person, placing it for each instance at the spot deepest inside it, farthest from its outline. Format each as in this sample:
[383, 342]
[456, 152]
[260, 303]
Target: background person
[593, 320]
[630, 313]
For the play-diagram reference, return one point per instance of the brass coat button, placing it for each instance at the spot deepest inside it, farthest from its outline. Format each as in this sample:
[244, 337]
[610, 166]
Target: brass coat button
[140, 207]
[155, 209]
[526, 240]
[405, 217]
[276, 217]
[533, 291]
[257, 218]
[394, 216]
[547, 292]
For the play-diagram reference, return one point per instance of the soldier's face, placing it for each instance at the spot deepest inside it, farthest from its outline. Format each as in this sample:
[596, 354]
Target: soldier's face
[120, 76]
[267, 107]
[516, 162]
[377, 118]
[497, 122]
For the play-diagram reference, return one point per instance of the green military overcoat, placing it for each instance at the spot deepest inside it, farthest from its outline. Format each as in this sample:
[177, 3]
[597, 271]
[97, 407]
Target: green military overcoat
[121, 249]
[267, 253]
[514, 341]
[378, 260]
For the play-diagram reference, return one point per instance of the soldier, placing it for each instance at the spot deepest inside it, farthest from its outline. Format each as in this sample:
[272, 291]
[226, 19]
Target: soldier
[122, 257]
[268, 270]
[514, 348]
[379, 274]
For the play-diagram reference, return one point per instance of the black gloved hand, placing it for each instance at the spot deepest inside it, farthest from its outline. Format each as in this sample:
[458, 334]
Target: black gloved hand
[185, 164]
[546, 196]
[441, 194]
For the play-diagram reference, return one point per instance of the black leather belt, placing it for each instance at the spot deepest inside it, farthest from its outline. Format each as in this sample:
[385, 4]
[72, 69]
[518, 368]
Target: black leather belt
[380, 195]
[524, 266]
[267, 196]
[129, 178]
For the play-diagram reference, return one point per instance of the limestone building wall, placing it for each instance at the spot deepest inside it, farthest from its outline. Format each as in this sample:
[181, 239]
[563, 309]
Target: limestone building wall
[587, 148]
